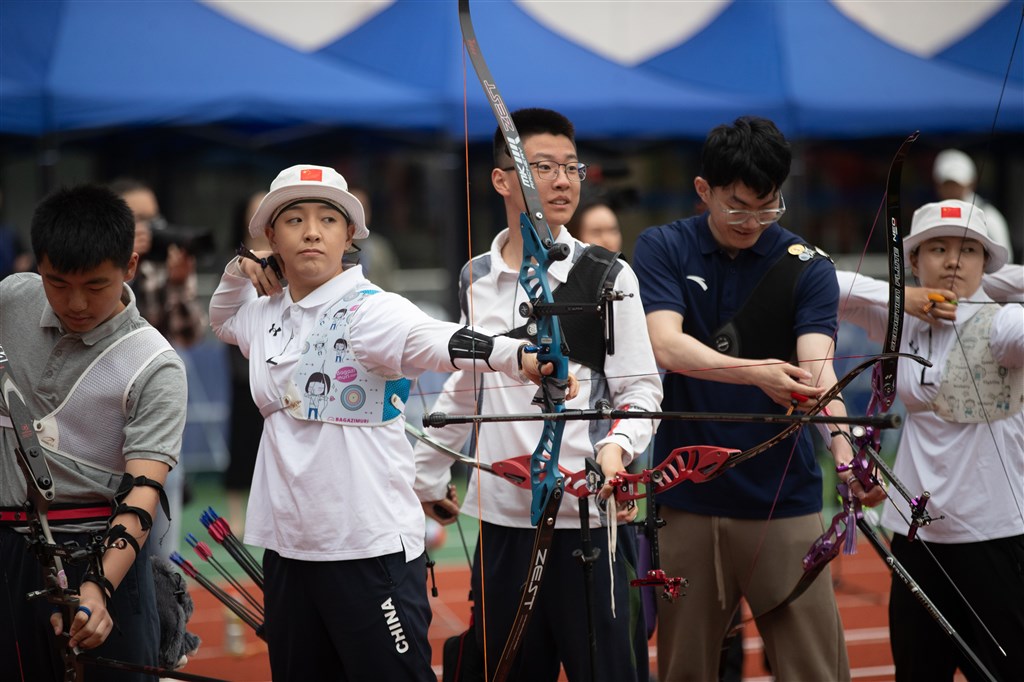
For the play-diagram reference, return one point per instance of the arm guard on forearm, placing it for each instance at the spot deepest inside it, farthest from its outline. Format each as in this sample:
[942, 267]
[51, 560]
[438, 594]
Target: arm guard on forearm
[467, 344]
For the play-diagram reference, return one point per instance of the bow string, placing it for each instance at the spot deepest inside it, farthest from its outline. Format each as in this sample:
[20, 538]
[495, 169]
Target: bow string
[539, 251]
[841, 534]
[702, 463]
[842, 531]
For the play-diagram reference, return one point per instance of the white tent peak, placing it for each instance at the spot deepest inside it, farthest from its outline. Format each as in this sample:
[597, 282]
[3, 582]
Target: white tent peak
[628, 33]
[304, 25]
[923, 28]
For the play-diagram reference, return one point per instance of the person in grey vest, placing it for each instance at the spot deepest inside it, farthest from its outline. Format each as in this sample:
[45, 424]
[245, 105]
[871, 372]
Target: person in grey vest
[107, 395]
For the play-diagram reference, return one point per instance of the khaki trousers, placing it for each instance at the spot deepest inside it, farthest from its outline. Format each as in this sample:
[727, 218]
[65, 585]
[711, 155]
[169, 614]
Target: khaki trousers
[725, 559]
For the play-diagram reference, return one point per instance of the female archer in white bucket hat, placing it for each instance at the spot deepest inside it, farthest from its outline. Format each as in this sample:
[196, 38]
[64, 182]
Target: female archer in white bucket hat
[959, 220]
[332, 500]
[963, 440]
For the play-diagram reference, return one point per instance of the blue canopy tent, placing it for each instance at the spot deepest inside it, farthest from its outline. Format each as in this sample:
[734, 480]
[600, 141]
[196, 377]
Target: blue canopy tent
[420, 43]
[840, 79]
[75, 64]
[807, 65]
[987, 48]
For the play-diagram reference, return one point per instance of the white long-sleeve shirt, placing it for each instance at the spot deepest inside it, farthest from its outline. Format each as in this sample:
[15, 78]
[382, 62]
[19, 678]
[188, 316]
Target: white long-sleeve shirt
[630, 378]
[974, 472]
[324, 492]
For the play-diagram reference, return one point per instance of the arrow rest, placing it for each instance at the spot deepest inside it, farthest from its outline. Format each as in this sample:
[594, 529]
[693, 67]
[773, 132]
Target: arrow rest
[556, 251]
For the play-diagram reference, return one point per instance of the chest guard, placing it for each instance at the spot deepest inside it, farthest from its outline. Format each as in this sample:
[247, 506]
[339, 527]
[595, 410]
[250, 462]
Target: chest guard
[330, 385]
[973, 372]
[766, 331]
[73, 430]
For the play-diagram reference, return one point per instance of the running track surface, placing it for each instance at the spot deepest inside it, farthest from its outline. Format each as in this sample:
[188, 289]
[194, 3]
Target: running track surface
[861, 582]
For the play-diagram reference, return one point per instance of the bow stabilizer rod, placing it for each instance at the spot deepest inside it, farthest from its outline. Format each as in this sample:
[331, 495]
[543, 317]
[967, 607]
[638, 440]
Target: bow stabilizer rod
[881, 421]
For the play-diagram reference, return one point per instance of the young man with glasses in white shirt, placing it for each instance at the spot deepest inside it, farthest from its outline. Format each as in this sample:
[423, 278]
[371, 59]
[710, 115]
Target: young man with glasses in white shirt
[742, 314]
[490, 294]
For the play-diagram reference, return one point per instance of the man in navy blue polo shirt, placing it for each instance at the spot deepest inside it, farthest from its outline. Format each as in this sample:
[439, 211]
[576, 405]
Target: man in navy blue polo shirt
[743, 314]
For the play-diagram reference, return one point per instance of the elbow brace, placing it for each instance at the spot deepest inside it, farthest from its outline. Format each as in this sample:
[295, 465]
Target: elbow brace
[467, 344]
[117, 532]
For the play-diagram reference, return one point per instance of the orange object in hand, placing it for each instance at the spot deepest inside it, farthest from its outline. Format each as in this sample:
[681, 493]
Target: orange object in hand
[934, 298]
[796, 400]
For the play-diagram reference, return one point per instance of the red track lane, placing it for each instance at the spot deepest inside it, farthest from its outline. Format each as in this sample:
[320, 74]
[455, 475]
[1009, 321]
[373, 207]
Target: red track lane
[862, 590]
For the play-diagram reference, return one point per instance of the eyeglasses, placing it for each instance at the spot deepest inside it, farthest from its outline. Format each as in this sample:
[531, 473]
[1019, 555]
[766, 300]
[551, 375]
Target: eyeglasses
[548, 170]
[763, 217]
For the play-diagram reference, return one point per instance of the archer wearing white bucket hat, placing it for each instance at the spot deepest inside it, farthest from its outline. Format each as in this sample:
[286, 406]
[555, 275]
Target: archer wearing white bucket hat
[954, 218]
[305, 183]
[962, 439]
[332, 498]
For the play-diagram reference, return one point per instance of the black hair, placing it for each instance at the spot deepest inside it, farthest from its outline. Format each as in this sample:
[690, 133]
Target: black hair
[584, 207]
[594, 202]
[319, 378]
[81, 228]
[529, 122]
[751, 151]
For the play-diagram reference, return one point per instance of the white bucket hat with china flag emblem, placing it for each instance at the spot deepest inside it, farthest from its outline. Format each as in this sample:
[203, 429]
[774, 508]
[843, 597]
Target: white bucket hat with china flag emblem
[308, 183]
[955, 218]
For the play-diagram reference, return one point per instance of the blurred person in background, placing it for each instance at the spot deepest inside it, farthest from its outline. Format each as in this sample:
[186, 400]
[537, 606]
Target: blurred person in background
[956, 177]
[375, 254]
[165, 293]
[596, 223]
[165, 284]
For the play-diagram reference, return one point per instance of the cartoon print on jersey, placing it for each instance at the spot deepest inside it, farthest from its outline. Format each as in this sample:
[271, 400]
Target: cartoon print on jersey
[317, 387]
[337, 317]
[340, 348]
[338, 389]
